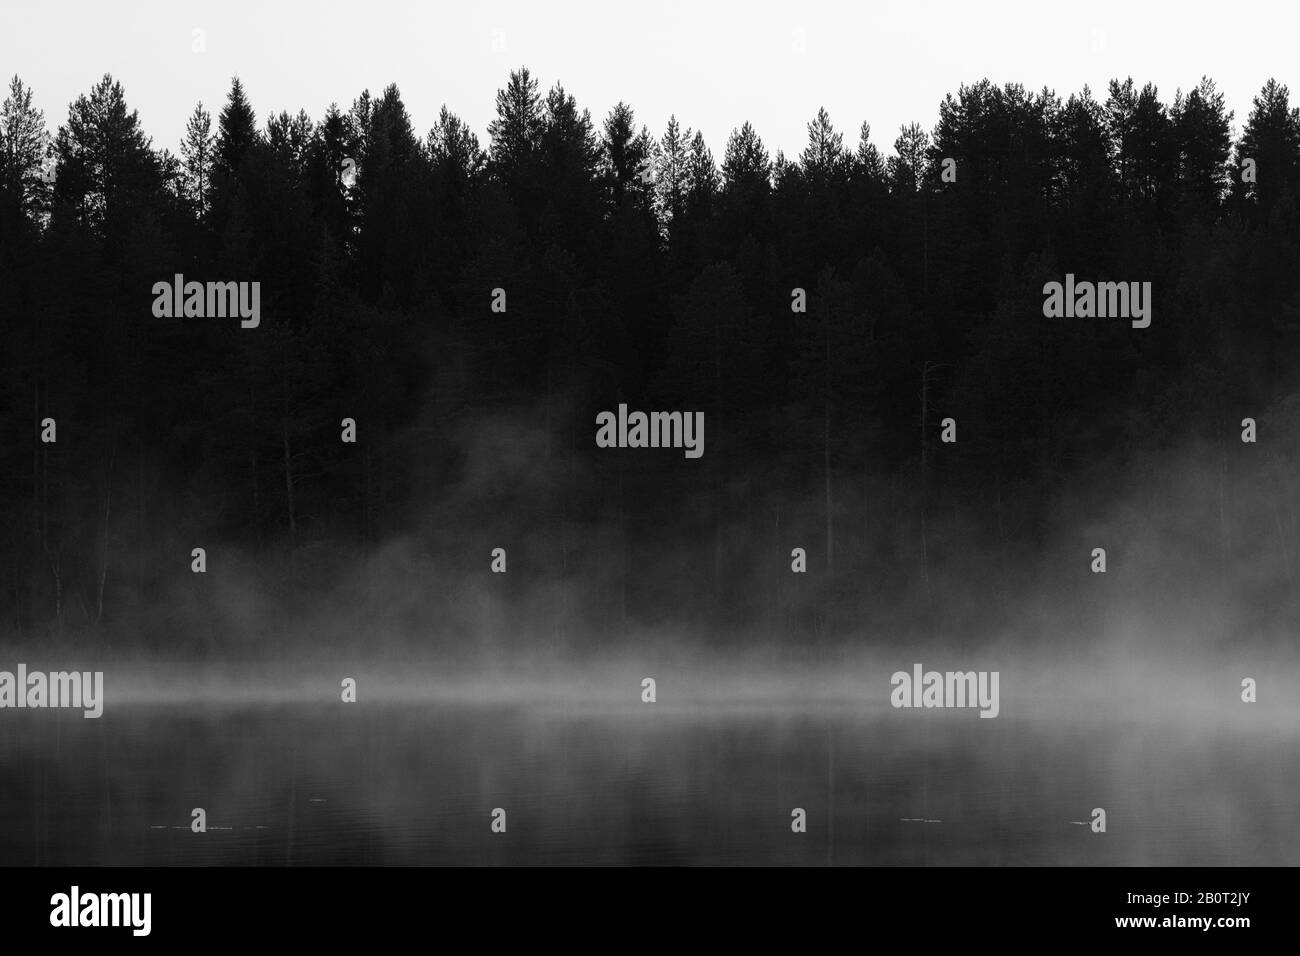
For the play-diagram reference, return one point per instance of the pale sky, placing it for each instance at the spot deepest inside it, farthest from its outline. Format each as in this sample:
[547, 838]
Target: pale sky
[714, 64]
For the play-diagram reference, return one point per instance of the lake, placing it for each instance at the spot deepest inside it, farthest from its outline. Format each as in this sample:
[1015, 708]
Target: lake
[416, 784]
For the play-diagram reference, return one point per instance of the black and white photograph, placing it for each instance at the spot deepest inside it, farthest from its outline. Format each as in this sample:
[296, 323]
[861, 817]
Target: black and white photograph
[564, 436]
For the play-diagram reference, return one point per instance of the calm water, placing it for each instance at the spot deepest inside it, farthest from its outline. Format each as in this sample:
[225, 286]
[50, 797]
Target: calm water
[415, 785]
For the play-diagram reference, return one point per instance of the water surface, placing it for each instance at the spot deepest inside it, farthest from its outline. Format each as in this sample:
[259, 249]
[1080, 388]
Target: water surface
[416, 783]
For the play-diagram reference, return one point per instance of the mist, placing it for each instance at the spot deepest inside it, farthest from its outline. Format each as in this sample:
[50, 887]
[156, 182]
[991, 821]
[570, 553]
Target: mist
[956, 578]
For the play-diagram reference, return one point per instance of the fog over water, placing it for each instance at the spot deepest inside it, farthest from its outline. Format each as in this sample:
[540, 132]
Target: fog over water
[1120, 691]
[587, 778]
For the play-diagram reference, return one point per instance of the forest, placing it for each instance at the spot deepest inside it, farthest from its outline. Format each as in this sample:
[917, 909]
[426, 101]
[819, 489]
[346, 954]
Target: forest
[639, 267]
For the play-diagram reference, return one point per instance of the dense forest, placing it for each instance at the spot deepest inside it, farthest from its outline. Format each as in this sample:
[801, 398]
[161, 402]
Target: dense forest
[637, 268]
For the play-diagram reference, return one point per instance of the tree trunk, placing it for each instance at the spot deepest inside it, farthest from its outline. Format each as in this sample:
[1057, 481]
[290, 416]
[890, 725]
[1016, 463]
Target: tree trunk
[36, 461]
[826, 441]
[717, 471]
[108, 513]
[139, 520]
[925, 411]
[288, 467]
[252, 464]
[622, 523]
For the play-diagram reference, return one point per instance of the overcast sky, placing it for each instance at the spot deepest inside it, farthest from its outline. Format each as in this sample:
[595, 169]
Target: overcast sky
[714, 64]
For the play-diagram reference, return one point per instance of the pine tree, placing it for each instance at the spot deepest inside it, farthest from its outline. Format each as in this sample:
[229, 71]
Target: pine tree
[702, 181]
[25, 153]
[393, 201]
[908, 167]
[672, 174]
[746, 169]
[568, 141]
[108, 171]
[236, 131]
[1271, 138]
[1142, 143]
[868, 164]
[1084, 177]
[746, 190]
[454, 149]
[1202, 131]
[290, 139]
[626, 157]
[822, 156]
[197, 160]
[516, 134]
